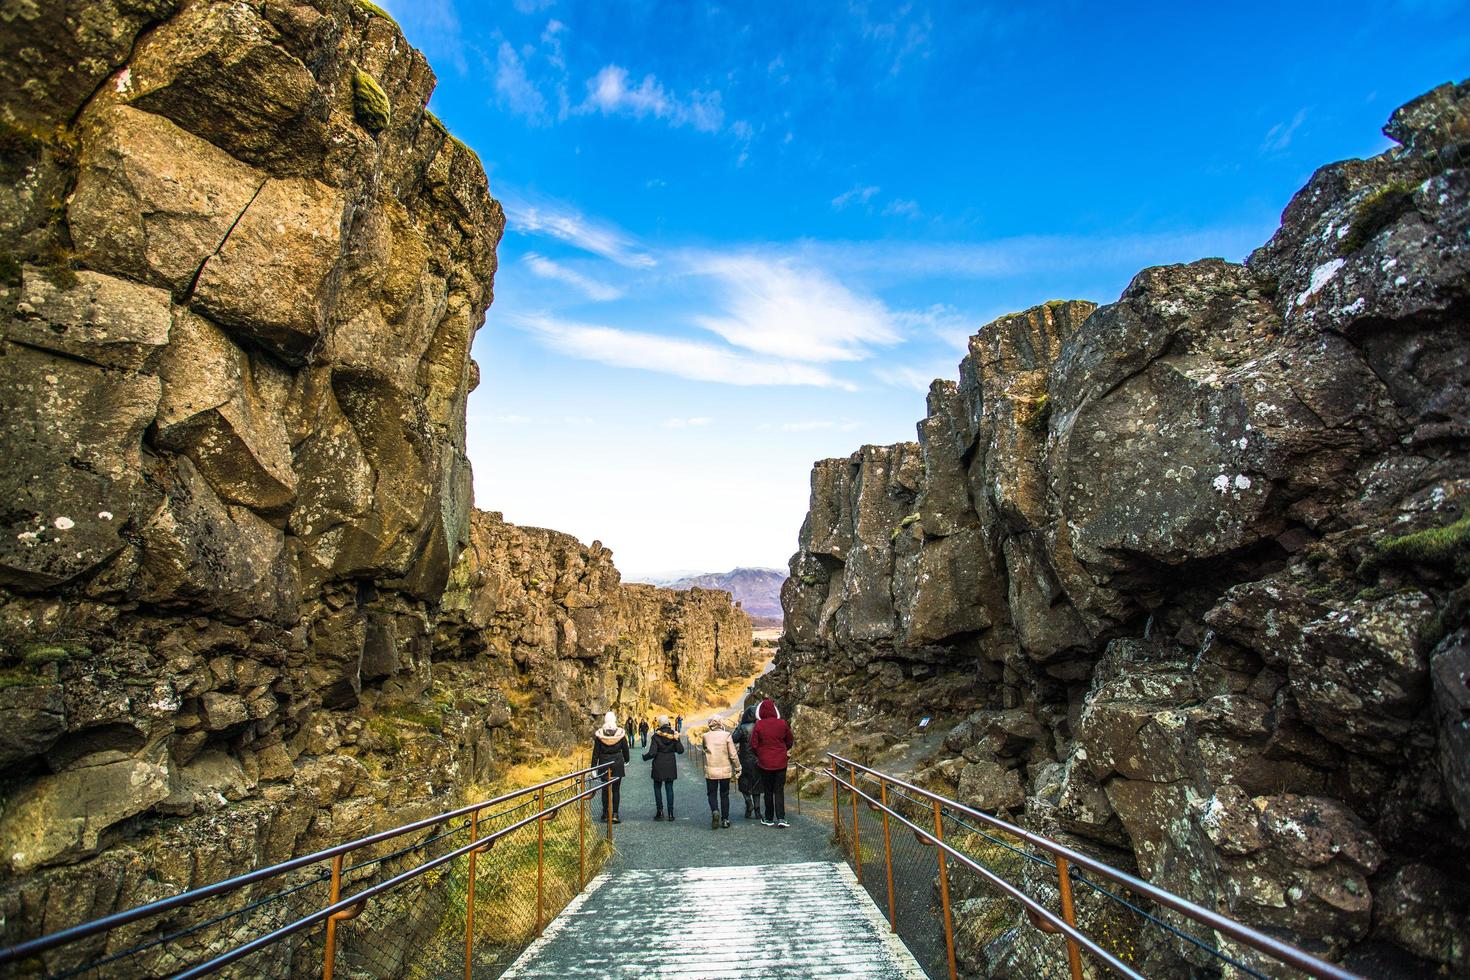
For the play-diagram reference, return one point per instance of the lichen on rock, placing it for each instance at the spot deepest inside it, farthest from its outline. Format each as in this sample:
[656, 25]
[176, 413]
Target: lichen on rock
[1208, 541]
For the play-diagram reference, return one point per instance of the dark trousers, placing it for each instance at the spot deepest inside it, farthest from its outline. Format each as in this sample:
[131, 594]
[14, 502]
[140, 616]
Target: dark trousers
[645, 740]
[773, 791]
[617, 794]
[667, 786]
[718, 791]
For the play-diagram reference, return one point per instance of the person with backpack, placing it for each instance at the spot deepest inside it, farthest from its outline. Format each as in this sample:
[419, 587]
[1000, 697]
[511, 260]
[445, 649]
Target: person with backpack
[664, 752]
[720, 760]
[749, 783]
[610, 748]
[772, 741]
[643, 731]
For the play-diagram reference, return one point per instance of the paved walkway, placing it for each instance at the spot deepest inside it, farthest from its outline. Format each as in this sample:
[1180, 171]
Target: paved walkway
[680, 900]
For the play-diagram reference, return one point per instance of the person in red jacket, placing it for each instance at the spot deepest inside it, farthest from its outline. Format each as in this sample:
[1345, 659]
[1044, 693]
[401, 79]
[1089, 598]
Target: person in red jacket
[771, 740]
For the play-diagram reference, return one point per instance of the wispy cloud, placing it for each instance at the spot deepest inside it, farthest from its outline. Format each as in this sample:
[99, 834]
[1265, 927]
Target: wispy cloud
[513, 86]
[901, 207]
[780, 308]
[694, 423]
[1278, 137]
[610, 93]
[907, 377]
[858, 195]
[555, 271]
[941, 321]
[668, 355]
[554, 219]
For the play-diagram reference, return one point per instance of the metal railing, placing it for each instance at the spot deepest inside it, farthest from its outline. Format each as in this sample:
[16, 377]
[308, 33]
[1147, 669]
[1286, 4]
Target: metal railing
[483, 825]
[927, 813]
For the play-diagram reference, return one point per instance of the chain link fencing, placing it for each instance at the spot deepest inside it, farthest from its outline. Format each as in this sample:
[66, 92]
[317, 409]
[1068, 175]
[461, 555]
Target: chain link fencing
[460, 895]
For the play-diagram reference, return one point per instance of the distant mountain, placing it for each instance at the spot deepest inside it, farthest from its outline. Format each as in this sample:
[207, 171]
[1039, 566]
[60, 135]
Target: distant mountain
[758, 590]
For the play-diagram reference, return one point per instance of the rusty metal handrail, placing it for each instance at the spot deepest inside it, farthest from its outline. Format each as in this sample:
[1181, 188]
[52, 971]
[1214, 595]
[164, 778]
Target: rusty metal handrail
[1065, 856]
[337, 910]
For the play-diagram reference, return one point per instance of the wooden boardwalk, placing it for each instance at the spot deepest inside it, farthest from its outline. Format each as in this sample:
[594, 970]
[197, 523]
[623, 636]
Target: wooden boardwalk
[808, 919]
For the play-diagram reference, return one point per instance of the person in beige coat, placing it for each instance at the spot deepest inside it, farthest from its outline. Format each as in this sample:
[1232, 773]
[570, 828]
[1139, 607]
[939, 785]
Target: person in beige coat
[721, 761]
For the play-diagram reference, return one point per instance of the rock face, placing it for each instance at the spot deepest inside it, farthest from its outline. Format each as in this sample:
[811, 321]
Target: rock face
[241, 268]
[1186, 571]
[541, 616]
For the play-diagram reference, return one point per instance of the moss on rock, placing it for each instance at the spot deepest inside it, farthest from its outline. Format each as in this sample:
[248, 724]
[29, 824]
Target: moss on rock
[370, 103]
[1376, 212]
[1447, 547]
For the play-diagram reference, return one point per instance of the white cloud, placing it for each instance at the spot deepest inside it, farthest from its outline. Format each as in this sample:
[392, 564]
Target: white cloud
[941, 321]
[907, 377]
[668, 355]
[1278, 137]
[901, 207]
[686, 423]
[608, 92]
[556, 220]
[555, 271]
[779, 308]
[858, 195]
[514, 88]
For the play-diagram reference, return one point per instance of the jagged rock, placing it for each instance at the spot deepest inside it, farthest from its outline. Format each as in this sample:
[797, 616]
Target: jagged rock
[32, 718]
[63, 817]
[110, 322]
[987, 786]
[1205, 539]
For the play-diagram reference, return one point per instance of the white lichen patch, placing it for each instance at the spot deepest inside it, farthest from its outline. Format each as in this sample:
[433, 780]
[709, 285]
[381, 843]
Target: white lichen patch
[1321, 276]
[63, 524]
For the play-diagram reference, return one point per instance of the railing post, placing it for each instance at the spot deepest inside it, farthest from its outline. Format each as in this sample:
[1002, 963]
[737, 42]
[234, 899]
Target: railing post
[1064, 885]
[581, 833]
[857, 844]
[469, 908]
[888, 854]
[540, 854]
[607, 787]
[944, 892]
[334, 892]
[836, 821]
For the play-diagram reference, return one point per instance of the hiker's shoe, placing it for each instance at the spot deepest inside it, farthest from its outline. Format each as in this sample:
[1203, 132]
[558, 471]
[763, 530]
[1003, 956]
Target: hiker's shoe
[659, 815]
[767, 823]
[725, 823]
[617, 819]
[749, 811]
[714, 820]
[782, 823]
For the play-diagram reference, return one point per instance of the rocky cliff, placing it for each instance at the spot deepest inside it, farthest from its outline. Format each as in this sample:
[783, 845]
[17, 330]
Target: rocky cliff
[545, 619]
[1187, 572]
[241, 267]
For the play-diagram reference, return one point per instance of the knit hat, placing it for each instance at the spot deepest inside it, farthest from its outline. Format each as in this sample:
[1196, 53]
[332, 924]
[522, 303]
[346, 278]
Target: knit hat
[610, 721]
[716, 725]
[663, 719]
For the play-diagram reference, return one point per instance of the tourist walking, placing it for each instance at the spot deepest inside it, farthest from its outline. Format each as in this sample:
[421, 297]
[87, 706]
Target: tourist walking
[772, 741]
[663, 752]
[679, 723]
[750, 772]
[643, 731]
[720, 760]
[610, 748]
[629, 725]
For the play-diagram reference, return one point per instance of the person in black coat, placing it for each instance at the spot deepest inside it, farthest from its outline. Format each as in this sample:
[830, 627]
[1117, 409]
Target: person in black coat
[643, 732]
[750, 773]
[663, 752]
[610, 748]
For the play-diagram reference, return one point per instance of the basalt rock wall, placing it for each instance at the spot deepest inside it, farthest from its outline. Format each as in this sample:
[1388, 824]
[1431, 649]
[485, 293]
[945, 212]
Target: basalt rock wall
[241, 267]
[1186, 573]
[546, 619]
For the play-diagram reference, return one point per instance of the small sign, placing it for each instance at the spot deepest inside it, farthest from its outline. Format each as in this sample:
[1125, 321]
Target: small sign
[924, 722]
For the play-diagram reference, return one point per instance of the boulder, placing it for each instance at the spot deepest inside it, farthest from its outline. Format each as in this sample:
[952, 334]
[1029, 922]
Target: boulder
[63, 818]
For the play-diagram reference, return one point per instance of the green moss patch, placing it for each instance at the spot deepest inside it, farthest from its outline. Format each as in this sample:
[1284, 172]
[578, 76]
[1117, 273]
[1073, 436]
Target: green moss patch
[372, 9]
[1376, 212]
[422, 715]
[1445, 547]
[370, 103]
[908, 521]
[1038, 415]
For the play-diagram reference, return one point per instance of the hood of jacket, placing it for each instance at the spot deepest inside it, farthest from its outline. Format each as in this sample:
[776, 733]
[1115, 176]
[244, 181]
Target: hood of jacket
[768, 709]
[610, 738]
[747, 717]
[668, 733]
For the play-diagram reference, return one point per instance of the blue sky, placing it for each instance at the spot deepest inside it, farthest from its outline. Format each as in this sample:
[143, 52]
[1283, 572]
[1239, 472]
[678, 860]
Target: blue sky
[742, 237]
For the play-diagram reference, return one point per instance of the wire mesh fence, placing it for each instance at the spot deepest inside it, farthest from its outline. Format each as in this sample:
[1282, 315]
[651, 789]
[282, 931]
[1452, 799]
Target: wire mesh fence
[927, 862]
[457, 896]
